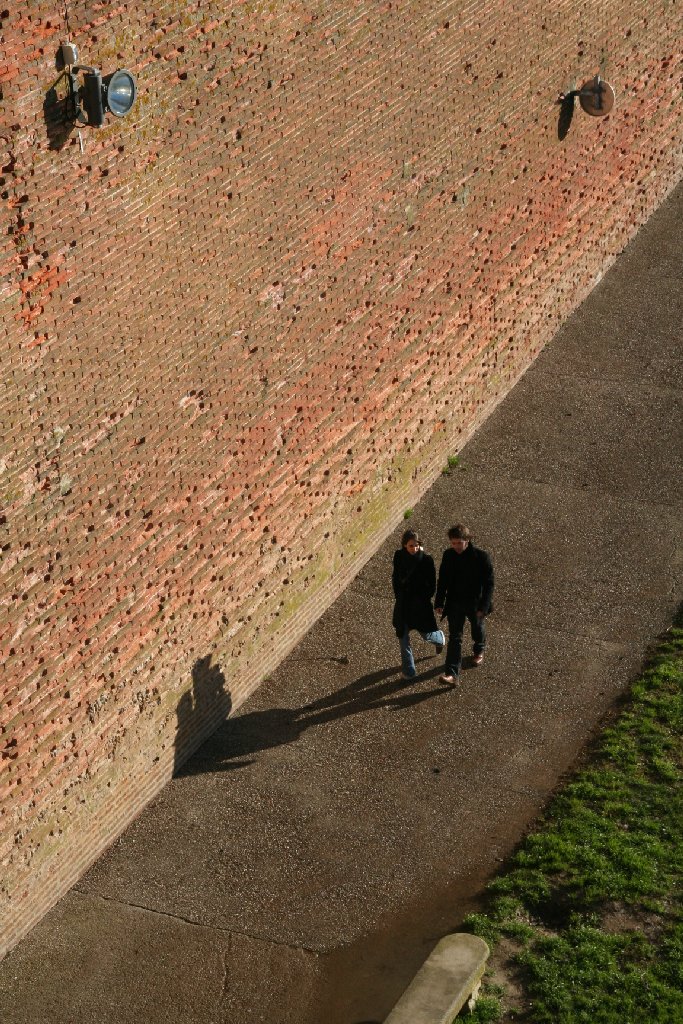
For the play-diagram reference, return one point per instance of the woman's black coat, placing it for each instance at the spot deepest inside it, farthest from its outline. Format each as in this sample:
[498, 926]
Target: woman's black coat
[414, 582]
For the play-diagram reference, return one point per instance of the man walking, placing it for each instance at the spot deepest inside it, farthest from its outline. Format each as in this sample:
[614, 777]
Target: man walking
[464, 591]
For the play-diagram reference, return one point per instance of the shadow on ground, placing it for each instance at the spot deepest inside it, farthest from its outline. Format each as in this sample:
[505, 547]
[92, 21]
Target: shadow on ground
[247, 734]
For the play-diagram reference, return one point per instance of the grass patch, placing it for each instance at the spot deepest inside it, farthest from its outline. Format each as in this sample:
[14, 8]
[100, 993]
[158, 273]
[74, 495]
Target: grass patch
[585, 924]
[452, 462]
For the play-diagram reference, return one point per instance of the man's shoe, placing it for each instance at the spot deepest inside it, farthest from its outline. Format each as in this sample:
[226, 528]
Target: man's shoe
[446, 677]
[477, 659]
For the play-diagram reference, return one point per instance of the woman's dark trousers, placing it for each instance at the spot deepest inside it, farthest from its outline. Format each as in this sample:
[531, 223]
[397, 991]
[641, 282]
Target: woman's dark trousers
[456, 623]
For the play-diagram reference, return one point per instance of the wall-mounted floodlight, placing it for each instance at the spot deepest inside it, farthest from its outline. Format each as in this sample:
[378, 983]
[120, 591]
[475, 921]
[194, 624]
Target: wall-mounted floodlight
[89, 102]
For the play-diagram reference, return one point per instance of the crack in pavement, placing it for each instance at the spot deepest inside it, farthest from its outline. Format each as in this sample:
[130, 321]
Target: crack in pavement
[230, 932]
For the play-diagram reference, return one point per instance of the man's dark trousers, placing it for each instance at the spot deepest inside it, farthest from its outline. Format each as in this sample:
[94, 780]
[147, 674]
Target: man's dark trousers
[456, 623]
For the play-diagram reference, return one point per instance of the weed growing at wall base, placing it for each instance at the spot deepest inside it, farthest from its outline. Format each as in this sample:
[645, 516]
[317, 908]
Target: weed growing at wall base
[586, 925]
[453, 462]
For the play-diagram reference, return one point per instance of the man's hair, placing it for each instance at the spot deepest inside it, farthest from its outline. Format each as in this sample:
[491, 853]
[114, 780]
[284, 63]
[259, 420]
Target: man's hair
[410, 535]
[459, 532]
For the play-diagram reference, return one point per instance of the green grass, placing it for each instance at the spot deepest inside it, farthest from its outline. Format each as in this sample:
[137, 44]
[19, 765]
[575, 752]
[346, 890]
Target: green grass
[452, 462]
[585, 923]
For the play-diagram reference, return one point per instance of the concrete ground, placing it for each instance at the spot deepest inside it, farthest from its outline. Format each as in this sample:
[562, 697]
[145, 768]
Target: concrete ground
[305, 862]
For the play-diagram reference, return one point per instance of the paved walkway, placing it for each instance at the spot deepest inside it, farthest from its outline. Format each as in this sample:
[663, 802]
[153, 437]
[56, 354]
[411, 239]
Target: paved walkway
[304, 864]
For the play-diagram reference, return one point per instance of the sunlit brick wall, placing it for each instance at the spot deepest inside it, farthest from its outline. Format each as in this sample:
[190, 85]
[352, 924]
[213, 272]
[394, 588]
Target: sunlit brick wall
[242, 329]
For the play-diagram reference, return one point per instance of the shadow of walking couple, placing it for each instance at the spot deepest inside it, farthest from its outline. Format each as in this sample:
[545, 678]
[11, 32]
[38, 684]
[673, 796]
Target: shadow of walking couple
[231, 744]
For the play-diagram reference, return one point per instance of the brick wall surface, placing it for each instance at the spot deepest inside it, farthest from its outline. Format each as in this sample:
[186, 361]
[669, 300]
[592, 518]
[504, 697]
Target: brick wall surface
[242, 329]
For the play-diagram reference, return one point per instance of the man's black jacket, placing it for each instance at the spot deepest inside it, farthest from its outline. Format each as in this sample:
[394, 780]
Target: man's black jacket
[465, 581]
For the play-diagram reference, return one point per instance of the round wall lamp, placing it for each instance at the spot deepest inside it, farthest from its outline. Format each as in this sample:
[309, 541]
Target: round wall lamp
[89, 102]
[119, 92]
[596, 97]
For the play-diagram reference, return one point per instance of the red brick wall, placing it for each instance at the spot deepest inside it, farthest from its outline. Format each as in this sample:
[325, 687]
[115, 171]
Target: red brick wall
[242, 330]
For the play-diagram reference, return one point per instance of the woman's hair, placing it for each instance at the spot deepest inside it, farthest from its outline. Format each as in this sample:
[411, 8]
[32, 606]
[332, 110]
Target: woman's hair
[459, 532]
[410, 535]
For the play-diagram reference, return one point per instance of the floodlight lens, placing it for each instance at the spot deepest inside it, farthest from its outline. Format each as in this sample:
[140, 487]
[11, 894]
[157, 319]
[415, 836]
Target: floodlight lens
[121, 93]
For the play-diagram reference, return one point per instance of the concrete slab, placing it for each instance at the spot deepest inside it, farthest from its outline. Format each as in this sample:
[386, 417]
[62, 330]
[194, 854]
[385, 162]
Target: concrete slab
[537, 436]
[102, 971]
[302, 842]
[303, 865]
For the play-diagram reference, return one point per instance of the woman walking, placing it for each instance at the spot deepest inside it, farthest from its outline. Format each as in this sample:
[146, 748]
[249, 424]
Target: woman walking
[414, 582]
